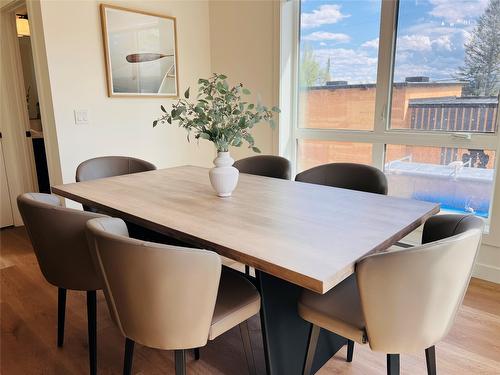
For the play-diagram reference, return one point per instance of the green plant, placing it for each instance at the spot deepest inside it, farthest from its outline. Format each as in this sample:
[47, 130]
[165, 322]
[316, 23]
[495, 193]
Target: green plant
[219, 114]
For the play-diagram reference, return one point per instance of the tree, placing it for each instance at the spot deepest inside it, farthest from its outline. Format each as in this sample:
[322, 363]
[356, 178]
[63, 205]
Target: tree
[481, 70]
[311, 73]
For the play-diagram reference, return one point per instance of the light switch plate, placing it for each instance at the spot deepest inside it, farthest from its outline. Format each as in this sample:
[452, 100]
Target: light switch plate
[81, 116]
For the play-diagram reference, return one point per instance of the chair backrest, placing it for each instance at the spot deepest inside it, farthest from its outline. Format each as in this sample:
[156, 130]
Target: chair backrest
[265, 165]
[410, 297]
[109, 166]
[59, 241]
[347, 176]
[160, 296]
[443, 226]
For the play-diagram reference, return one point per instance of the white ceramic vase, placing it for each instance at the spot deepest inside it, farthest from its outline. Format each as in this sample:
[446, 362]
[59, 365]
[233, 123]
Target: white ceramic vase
[224, 177]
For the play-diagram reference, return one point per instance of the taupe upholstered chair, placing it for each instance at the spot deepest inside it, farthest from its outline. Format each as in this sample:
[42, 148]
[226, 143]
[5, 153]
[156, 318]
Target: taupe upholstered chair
[400, 301]
[265, 165]
[61, 248]
[168, 297]
[347, 176]
[110, 166]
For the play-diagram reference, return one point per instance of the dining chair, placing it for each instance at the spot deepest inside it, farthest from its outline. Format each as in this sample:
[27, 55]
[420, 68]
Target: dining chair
[265, 165]
[61, 249]
[109, 166]
[400, 301]
[168, 297]
[347, 176]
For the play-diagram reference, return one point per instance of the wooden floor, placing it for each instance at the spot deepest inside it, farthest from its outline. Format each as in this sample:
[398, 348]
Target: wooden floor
[28, 332]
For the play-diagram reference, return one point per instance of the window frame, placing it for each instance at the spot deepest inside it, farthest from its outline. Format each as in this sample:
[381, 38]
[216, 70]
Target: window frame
[381, 134]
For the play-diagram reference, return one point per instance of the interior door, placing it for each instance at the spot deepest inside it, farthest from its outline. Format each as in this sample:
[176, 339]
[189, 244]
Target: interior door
[6, 218]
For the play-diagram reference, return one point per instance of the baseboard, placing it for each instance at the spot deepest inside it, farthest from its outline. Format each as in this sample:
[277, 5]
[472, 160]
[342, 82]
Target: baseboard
[487, 272]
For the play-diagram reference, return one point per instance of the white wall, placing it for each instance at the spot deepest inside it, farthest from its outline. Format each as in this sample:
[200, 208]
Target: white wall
[244, 41]
[118, 126]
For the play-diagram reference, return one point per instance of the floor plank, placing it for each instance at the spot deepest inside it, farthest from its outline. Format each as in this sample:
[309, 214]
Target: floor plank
[28, 306]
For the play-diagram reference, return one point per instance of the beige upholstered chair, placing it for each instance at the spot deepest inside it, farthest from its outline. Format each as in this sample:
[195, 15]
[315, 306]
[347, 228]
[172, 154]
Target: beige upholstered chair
[265, 165]
[61, 248]
[110, 166]
[347, 176]
[400, 301]
[167, 297]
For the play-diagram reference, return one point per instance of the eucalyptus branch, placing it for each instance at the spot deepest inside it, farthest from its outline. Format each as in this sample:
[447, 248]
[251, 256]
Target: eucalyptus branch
[219, 114]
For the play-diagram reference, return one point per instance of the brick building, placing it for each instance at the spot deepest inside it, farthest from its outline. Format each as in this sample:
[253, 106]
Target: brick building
[417, 104]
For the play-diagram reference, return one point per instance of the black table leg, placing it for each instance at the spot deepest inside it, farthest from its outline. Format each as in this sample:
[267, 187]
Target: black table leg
[92, 330]
[285, 333]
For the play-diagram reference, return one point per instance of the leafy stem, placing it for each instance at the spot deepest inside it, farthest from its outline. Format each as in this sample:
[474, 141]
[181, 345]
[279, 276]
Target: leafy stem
[220, 114]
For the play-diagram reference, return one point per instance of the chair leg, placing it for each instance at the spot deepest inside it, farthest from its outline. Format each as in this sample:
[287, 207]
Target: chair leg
[392, 364]
[196, 354]
[311, 349]
[92, 330]
[350, 350]
[430, 358]
[61, 315]
[180, 362]
[247, 346]
[128, 357]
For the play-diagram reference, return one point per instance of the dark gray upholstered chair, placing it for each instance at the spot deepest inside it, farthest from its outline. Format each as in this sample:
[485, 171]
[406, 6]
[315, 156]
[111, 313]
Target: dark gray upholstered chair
[347, 176]
[109, 166]
[432, 265]
[61, 248]
[265, 165]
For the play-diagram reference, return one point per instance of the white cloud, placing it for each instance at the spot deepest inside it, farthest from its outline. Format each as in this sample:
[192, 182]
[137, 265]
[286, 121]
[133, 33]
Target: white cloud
[322, 44]
[324, 35]
[424, 43]
[443, 42]
[350, 65]
[325, 15]
[371, 43]
[458, 12]
[414, 43]
[420, 43]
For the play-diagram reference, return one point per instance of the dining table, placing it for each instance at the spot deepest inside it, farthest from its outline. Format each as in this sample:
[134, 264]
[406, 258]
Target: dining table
[295, 235]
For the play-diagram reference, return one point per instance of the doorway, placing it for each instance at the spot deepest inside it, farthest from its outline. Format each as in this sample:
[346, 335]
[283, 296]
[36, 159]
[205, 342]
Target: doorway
[34, 131]
[23, 163]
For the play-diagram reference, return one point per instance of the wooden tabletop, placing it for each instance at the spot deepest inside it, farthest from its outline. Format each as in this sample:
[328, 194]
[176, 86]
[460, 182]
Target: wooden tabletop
[307, 234]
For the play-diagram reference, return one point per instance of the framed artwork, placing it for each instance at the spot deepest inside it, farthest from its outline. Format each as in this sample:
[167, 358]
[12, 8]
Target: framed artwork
[141, 53]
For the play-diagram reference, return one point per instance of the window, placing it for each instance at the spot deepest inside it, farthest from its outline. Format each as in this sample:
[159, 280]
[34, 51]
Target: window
[312, 153]
[405, 86]
[337, 74]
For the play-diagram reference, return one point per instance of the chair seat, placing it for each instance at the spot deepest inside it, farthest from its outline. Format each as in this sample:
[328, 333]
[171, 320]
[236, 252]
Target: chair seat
[337, 311]
[237, 300]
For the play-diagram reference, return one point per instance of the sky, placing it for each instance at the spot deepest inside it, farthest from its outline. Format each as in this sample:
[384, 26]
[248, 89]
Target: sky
[431, 36]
